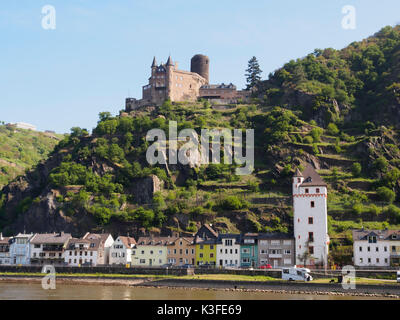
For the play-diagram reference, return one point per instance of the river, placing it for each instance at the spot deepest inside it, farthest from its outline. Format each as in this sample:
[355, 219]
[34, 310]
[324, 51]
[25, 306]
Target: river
[33, 291]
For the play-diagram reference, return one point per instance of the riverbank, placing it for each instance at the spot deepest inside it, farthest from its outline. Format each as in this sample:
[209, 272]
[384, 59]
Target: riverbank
[276, 286]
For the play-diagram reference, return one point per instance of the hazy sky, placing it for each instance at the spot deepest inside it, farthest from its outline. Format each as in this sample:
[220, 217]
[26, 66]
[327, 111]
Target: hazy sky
[101, 50]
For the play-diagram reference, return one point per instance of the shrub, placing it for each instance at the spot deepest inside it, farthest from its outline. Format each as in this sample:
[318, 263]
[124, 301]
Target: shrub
[356, 169]
[308, 140]
[332, 129]
[385, 194]
[233, 203]
[393, 213]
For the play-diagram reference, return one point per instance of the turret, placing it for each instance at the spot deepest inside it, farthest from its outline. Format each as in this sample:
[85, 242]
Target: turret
[200, 64]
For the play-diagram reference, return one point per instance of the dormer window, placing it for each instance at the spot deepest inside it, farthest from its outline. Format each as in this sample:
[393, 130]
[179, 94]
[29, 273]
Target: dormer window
[371, 239]
[394, 236]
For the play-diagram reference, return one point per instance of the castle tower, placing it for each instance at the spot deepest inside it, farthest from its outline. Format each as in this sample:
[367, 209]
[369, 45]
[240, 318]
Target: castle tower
[310, 217]
[200, 64]
[170, 78]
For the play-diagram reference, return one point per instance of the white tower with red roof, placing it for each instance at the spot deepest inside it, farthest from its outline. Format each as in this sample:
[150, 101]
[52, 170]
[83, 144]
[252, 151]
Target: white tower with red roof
[310, 217]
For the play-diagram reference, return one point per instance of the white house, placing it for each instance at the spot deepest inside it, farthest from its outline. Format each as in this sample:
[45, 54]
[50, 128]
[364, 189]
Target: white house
[4, 250]
[228, 250]
[376, 248]
[121, 251]
[48, 248]
[20, 249]
[310, 218]
[91, 250]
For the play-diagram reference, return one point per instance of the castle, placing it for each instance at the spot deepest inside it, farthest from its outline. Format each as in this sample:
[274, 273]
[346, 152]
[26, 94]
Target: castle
[167, 82]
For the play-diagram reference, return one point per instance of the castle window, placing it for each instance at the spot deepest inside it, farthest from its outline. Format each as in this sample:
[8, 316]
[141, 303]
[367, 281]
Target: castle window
[310, 220]
[312, 204]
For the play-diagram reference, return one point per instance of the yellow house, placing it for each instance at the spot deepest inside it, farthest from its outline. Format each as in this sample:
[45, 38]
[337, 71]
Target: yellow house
[150, 251]
[206, 252]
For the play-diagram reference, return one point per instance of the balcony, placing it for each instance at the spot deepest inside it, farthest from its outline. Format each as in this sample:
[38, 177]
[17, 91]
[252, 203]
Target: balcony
[276, 255]
[52, 248]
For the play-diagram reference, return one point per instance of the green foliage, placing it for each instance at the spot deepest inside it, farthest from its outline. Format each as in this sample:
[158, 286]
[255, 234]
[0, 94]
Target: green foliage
[316, 134]
[253, 73]
[356, 169]
[385, 194]
[233, 203]
[332, 129]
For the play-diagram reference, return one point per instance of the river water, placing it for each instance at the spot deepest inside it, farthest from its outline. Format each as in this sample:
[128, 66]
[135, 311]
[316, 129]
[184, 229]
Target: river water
[29, 291]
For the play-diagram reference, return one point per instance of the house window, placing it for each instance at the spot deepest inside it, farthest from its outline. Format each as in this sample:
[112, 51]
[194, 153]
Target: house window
[307, 191]
[310, 220]
[377, 260]
[369, 249]
[317, 190]
[369, 260]
[298, 180]
[371, 239]
[311, 250]
[201, 255]
[211, 247]
[312, 204]
[211, 255]
[311, 236]
[286, 251]
[360, 249]
[201, 247]
[361, 260]
[385, 249]
[377, 249]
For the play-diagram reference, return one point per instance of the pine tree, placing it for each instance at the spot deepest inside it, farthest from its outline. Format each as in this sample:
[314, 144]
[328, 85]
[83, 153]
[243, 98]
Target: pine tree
[253, 73]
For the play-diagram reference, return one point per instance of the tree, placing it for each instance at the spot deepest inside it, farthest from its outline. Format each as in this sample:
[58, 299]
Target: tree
[104, 116]
[385, 194]
[356, 169]
[253, 75]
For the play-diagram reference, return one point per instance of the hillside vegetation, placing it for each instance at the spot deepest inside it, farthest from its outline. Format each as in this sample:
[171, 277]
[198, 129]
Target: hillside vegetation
[21, 150]
[338, 110]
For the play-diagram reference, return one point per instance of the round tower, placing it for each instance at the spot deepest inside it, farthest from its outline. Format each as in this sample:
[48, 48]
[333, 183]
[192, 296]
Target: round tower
[200, 64]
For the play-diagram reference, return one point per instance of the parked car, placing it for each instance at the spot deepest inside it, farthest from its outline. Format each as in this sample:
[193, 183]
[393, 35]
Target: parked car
[266, 266]
[186, 266]
[398, 276]
[167, 265]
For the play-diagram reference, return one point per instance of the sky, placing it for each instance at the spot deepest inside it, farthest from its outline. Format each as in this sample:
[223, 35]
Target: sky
[100, 51]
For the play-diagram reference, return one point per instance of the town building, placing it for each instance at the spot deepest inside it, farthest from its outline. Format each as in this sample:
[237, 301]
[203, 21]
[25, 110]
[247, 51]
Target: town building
[91, 249]
[167, 82]
[150, 251]
[310, 218]
[20, 249]
[249, 250]
[276, 249]
[376, 248]
[121, 251]
[228, 250]
[205, 241]
[181, 250]
[48, 248]
[5, 250]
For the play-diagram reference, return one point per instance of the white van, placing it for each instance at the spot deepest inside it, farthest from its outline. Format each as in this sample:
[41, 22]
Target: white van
[296, 274]
[398, 276]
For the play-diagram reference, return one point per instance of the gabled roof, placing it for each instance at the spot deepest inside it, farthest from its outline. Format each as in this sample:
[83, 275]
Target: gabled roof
[235, 236]
[275, 235]
[362, 235]
[127, 241]
[94, 244]
[154, 241]
[187, 239]
[297, 173]
[311, 177]
[52, 238]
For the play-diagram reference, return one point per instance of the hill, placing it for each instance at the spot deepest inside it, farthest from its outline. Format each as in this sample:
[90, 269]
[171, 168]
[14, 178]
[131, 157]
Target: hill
[338, 110]
[21, 150]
